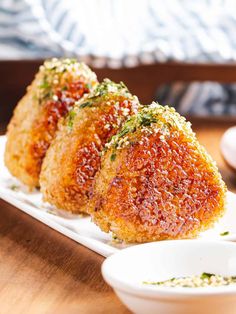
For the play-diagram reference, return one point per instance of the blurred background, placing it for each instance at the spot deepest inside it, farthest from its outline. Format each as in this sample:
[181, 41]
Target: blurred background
[178, 52]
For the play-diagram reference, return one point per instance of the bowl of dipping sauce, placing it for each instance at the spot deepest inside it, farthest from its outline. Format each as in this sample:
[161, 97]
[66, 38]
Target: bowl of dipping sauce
[175, 277]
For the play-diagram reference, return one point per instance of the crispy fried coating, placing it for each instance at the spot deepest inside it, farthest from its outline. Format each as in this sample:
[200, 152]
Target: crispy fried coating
[74, 157]
[156, 181]
[56, 87]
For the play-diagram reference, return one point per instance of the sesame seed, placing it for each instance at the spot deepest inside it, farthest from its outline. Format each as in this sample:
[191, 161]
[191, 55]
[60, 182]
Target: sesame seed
[196, 281]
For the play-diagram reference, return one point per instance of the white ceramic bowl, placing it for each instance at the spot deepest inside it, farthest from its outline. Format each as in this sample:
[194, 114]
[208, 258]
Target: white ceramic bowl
[126, 270]
[228, 146]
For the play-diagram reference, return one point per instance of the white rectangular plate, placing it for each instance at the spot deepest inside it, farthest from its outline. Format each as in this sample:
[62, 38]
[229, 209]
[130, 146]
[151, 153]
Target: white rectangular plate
[81, 229]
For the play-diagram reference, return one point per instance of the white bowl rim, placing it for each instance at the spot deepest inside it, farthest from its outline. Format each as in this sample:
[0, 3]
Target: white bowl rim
[154, 292]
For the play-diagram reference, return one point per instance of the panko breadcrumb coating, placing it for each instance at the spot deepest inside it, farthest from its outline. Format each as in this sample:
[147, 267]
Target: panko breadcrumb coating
[56, 87]
[156, 181]
[74, 157]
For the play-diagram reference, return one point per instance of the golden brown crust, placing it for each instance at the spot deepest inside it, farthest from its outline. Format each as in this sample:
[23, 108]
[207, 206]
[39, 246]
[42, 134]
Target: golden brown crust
[74, 157]
[56, 87]
[161, 184]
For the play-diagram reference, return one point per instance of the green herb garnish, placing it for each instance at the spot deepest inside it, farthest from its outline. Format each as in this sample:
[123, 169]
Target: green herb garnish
[71, 116]
[108, 86]
[206, 275]
[224, 233]
[123, 132]
[88, 86]
[147, 119]
[113, 156]
[153, 118]
[14, 187]
[44, 85]
[86, 104]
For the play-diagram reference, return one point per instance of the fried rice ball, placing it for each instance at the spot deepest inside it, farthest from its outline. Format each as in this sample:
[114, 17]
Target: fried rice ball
[156, 181]
[74, 157]
[56, 87]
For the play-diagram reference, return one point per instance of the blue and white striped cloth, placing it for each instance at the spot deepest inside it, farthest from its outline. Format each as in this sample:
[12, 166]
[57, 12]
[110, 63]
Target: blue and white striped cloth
[125, 33]
[197, 98]
[119, 33]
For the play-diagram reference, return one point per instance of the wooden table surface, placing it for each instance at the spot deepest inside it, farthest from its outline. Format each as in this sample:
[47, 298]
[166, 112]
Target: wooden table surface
[42, 271]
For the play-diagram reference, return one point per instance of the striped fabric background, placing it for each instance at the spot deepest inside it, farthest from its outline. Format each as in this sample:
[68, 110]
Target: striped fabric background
[197, 98]
[126, 33]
